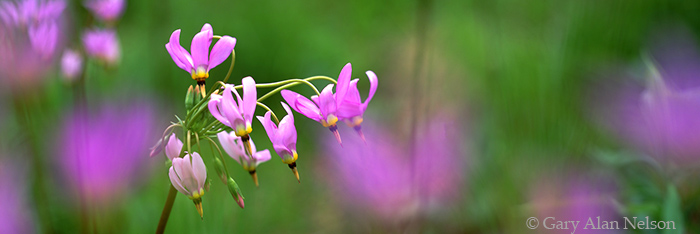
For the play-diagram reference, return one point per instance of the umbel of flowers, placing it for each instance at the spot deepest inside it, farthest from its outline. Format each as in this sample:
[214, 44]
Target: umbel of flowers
[226, 114]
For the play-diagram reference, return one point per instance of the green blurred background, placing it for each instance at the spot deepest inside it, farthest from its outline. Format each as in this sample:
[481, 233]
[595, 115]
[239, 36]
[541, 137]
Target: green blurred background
[517, 72]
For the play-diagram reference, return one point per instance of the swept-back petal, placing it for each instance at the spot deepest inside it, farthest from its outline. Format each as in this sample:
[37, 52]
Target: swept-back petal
[302, 105]
[348, 110]
[326, 102]
[213, 105]
[232, 145]
[230, 107]
[179, 55]
[262, 156]
[343, 82]
[353, 94]
[199, 170]
[221, 50]
[289, 134]
[175, 180]
[269, 126]
[200, 47]
[373, 83]
[250, 98]
[173, 148]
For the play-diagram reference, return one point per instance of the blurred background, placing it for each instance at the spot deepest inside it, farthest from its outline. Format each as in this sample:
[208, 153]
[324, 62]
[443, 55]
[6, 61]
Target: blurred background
[487, 113]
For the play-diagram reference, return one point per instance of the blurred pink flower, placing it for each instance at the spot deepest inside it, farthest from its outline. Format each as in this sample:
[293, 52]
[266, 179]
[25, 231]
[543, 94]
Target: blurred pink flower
[102, 153]
[102, 44]
[71, 65]
[385, 177]
[574, 198]
[663, 118]
[106, 10]
[30, 35]
[15, 217]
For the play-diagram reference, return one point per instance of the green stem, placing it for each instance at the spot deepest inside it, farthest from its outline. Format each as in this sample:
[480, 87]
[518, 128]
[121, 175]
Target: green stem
[166, 210]
[293, 82]
[268, 109]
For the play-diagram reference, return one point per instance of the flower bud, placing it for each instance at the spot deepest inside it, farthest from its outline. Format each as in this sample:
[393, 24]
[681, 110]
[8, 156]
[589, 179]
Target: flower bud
[219, 166]
[236, 192]
[189, 99]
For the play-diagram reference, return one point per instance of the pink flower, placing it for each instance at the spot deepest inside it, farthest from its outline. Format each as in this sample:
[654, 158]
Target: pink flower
[102, 44]
[236, 113]
[188, 175]
[106, 10]
[352, 108]
[173, 148]
[284, 138]
[324, 107]
[199, 62]
[233, 145]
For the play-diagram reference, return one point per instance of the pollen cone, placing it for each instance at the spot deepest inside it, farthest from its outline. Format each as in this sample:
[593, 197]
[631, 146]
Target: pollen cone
[293, 166]
[255, 178]
[334, 130]
[198, 205]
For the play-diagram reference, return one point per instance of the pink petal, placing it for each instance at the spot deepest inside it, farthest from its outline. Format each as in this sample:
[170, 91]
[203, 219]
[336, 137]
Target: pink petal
[302, 105]
[353, 94]
[262, 156]
[230, 144]
[289, 135]
[326, 101]
[250, 98]
[343, 81]
[179, 55]
[222, 49]
[213, 105]
[199, 170]
[349, 109]
[173, 148]
[373, 83]
[175, 180]
[183, 168]
[269, 126]
[200, 47]
[230, 108]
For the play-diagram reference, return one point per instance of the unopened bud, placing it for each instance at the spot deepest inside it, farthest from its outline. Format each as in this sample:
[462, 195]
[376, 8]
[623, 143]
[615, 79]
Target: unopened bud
[219, 166]
[235, 192]
[189, 98]
[199, 93]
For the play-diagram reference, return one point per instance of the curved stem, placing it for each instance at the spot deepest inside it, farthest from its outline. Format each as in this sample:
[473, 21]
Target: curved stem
[268, 109]
[221, 155]
[230, 69]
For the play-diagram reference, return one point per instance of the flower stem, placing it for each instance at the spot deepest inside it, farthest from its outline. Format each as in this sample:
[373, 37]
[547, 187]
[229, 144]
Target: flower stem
[268, 109]
[293, 82]
[166, 210]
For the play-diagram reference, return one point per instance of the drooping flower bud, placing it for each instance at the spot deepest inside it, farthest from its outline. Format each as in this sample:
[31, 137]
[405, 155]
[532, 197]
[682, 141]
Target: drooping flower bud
[235, 192]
